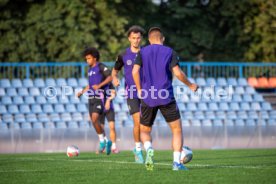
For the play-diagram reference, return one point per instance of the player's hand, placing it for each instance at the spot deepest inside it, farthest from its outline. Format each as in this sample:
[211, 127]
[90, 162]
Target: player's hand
[79, 94]
[96, 87]
[193, 87]
[116, 81]
[139, 93]
[107, 105]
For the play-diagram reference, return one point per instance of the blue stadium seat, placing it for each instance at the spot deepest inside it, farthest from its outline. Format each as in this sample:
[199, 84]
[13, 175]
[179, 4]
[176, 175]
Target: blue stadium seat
[14, 126]
[52, 100]
[47, 108]
[125, 107]
[201, 82]
[61, 82]
[217, 122]
[29, 100]
[272, 114]
[25, 109]
[50, 82]
[2, 92]
[19, 118]
[206, 122]
[28, 83]
[188, 115]
[196, 122]
[250, 90]
[255, 106]
[83, 108]
[234, 106]
[202, 106]
[36, 108]
[84, 99]
[42, 117]
[210, 115]
[223, 106]
[253, 115]
[3, 109]
[3, 126]
[13, 109]
[72, 82]
[5, 83]
[231, 115]
[16, 83]
[18, 100]
[242, 115]
[211, 82]
[70, 108]
[6, 100]
[266, 106]
[39, 83]
[74, 100]
[41, 100]
[11, 92]
[61, 125]
[54, 117]
[34, 91]
[245, 106]
[76, 116]
[59, 108]
[73, 125]
[221, 82]
[181, 106]
[220, 115]
[8, 118]
[184, 98]
[185, 122]
[117, 107]
[49, 125]
[250, 122]
[239, 90]
[242, 82]
[258, 98]
[199, 115]
[191, 107]
[83, 82]
[271, 122]
[195, 98]
[264, 115]
[66, 117]
[26, 126]
[232, 81]
[63, 99]
[23, 91]
[84, 124]
[237, 98]
[37, 125]
[239, 122]
[31, 118]
[213, 106]
[247, 98]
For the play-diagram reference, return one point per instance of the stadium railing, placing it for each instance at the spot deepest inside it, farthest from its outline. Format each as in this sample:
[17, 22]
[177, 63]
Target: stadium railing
[192, 69]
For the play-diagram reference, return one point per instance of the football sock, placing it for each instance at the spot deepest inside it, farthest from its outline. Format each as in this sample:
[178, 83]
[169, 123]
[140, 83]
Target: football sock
[101, 137]
[113, 146]
[176, 156]
[138, 146]
[105, 138]
[147, 145]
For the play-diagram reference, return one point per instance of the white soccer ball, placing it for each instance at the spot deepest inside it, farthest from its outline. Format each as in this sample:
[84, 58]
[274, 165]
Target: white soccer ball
[73, 151]
[186, 155]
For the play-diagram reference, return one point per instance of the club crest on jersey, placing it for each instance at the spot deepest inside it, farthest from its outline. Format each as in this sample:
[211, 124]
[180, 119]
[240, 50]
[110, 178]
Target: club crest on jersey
[129, 62]
[91, 73]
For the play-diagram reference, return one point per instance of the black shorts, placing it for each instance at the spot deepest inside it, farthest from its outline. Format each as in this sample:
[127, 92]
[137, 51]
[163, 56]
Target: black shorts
[95, 105]
[109, 115]
[169, 111]
[133, 105]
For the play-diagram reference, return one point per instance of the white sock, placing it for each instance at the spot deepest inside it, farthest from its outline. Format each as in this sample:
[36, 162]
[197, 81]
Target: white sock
[176, 156]
[147, 145]
[113, 146]
[101, 137]
[138, 146]
[105, 138]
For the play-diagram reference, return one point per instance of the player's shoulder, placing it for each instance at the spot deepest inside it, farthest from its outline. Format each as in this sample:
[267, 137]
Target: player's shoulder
[103, 66]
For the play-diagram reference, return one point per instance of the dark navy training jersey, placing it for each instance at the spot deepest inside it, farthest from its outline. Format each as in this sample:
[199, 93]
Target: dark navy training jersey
[97, 75]
[126, 60]
[156, 63]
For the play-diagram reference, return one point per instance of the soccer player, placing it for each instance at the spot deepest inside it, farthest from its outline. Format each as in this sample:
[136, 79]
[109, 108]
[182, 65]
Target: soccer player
[99, 76]
[158, 64]
[126, 60]
[109, 114]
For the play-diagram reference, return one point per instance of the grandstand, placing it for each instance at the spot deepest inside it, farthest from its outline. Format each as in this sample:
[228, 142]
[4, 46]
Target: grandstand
[29, 105]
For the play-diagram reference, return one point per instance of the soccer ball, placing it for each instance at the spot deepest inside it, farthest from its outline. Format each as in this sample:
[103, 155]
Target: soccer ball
[186, 155]
[73, 151]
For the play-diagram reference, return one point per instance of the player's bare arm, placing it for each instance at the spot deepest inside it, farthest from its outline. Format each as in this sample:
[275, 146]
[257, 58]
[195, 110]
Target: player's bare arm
[83, 91]
[182, 77]
[115, 81]
[105, 82]
[136, 78]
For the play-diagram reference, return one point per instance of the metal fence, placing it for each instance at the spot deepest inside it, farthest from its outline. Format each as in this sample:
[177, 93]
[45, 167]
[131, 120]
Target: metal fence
[192, 69]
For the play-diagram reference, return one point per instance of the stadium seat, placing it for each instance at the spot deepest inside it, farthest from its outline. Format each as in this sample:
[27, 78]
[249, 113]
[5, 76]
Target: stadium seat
[6, 100]
[54, 117]
[5, 83]
[31, 118]
[250, 90]
[196, 122]
[66, 117]
[47, 108]
[8, 118]
[223, 106]
[34, 91]
[84, 124]
[272, 114]
[29, 100]
[191, 107]
[210, 115]
[3, 109]
[199, 115]
[263, 82]
[39, 83]
[206, 122]
[2, 92]
[16, 83]
[13, 109]
[245, 106]
[272, 82]
[25, 109]
[181, 106]
[231, 115]
[258, 98]
[271, 122]
[52, 100]
[59, 108]
[195, 98]
[36, 108]
[211, 82]
[239, 90]
[28, 83]
[19, 118]
[3, 126]
[61, 125]
[213, 106]
[61, 82]
[76, 116]
[185, 123]
[82, 108]
[70, 108]
[239, 122]
[188, 115]
[117, 107]
[237, 98]
[266, 106]
[23, 91]
[247, 98]
[252, 81]
[200, 82]
[125, 107]
[221, 82]
[232, 81]
[26, 126]
[242, 82]
[242, 115]
[42, 117]
[264, 115]
[217, 122]
[50, 82]
[18, 100]
[73, 99]
[73, 125]
[234, 106]
[63, 99]
[253, 115]
[72, 82]
[37, 125]
[184, 98]
[220, 115]
[202, 106]
[41, 100]
[250, 122]
[49, 125]
[11, 92]
[255, 106]
[84, 99]
[82, 82]
[14, 126]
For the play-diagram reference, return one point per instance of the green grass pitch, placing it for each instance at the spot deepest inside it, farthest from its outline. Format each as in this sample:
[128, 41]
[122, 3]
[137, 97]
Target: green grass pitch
[207, 166]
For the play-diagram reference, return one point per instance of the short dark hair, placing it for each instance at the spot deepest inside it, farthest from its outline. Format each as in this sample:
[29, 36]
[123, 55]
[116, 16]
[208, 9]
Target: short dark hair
[135, 29]
[155, 29]
[91, 51]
